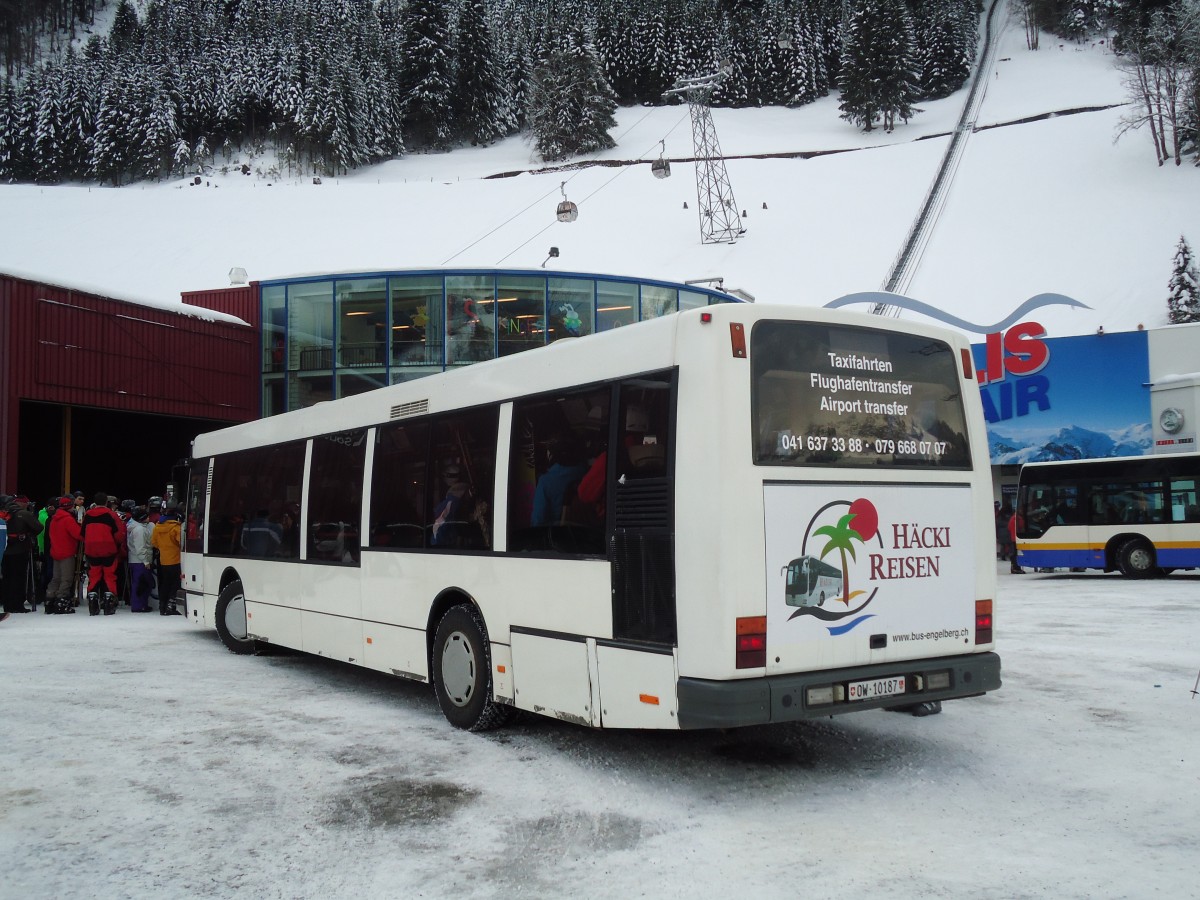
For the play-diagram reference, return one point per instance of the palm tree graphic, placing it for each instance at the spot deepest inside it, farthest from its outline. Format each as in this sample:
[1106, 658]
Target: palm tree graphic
[841, 538]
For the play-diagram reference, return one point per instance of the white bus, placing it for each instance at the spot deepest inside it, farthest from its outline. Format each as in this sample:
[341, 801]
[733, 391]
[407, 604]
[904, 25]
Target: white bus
[1139, 515]
[810, 582]
[596, 530]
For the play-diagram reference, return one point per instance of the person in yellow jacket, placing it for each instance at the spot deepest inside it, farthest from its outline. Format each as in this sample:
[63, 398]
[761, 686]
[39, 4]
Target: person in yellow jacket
[165, 541]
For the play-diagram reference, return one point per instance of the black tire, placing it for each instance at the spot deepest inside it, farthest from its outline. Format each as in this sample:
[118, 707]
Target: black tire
[1135, 559]
[462, 671]
[231, 620]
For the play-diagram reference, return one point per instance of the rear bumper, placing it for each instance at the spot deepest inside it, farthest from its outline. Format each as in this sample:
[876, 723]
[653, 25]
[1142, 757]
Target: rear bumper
[782, 698]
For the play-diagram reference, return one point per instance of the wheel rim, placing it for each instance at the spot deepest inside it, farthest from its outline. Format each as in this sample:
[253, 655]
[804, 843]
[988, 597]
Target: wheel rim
[458, 669]
[1140, 559]
[235, 618]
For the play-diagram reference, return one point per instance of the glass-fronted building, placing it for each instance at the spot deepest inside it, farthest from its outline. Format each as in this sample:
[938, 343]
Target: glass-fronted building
[331, 336]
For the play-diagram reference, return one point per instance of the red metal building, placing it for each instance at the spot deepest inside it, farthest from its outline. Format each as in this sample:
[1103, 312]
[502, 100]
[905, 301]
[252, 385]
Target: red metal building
[99, 393]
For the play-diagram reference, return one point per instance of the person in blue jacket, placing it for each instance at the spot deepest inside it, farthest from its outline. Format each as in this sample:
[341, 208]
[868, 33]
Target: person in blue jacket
[566, 469]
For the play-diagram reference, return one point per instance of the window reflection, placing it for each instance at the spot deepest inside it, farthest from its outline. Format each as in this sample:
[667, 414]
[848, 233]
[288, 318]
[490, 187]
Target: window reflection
[658, 301]
[616, 304]
[362, 323]
[326, 339]
[417, 322]
[520, 314]
[470, 319]
[572, 307]
[274, 327]
[310, 343]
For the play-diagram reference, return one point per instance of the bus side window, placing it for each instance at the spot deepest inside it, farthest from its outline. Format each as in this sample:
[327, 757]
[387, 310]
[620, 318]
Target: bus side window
[463, 466]
[335, 496]
[557, 472]
[397, 518]
[646, 428]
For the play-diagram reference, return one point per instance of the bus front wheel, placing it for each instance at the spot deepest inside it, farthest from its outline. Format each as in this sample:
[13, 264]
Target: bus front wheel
[462, 671]
[231, 620]
[1135, 559]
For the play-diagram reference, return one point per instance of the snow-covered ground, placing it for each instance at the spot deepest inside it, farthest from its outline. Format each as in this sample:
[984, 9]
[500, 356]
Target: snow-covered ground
[1047, 206]
[144, 760]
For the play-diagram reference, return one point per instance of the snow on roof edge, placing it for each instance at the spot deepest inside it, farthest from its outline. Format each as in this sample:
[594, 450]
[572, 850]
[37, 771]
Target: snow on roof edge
[195, 312]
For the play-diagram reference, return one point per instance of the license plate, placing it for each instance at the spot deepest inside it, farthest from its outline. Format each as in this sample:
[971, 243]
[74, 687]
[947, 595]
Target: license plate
[880, 687]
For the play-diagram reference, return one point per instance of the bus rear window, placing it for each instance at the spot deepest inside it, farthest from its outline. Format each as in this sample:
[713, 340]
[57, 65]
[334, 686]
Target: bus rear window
[856, 397]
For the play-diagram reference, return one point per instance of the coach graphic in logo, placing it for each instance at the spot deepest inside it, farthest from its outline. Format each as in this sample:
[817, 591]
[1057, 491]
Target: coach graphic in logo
[812, 583]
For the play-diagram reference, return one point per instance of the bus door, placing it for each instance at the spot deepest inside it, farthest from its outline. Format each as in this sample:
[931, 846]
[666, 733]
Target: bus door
[640, 498]
[194, 484]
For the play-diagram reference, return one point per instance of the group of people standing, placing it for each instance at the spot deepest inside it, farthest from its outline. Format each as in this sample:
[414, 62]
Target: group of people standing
[119, 547]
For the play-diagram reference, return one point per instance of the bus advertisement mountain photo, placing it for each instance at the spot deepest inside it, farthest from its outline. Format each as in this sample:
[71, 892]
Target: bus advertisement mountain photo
[1031, 384]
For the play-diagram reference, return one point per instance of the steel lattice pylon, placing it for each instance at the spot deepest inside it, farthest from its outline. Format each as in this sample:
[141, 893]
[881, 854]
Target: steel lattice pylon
[719, 220]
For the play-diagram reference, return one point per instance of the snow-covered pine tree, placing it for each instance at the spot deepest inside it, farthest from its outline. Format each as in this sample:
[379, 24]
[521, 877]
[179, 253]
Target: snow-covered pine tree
[47, 141]
[1183, 289]
[159, 127]
[427, 75]
[947, 35]
[112, 152]
[898, 72]
[125, 35]
[8, 104]
[757, 33]
[699, 39]
[860, 100]
[24, 126]
[201, 154]
[657, 56]
[664, 53]
[480, 94]
[77, 109]
[878, 68]
[615, 40]
[181, 158]
[571, 104]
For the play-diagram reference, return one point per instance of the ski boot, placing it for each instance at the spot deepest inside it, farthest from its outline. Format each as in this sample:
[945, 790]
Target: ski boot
[64, 606]
[110, 603]
[93, 604]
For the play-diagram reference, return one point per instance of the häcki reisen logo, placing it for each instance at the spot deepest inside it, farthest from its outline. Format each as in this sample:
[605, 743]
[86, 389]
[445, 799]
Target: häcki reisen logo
[840, 589]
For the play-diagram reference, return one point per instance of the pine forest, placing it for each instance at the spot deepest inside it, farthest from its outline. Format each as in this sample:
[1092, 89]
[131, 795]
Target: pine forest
[325, 86]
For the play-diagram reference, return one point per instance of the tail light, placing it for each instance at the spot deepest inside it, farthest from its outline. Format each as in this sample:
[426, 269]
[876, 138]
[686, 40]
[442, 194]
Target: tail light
[751, 642]
[983, 621]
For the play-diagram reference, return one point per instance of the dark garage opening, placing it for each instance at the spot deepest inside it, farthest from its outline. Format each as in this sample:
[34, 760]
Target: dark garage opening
[123, 453]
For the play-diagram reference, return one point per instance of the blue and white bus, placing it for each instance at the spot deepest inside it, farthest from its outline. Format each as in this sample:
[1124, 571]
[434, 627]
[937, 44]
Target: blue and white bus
[1136, 515]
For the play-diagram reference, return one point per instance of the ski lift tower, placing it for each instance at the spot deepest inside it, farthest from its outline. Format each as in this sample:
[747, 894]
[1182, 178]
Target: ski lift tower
[719, 220]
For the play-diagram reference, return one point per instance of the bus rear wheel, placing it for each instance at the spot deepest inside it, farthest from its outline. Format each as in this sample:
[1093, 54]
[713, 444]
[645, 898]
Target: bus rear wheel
[462, 671]
[231, 620]
[1135, 559]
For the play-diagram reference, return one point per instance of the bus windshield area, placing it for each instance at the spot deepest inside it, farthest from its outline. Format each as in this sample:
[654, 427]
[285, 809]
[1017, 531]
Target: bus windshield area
[858, 397]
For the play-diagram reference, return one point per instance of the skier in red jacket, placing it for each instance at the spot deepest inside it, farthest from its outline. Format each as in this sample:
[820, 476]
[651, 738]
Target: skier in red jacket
[64, 543]
[103, 540]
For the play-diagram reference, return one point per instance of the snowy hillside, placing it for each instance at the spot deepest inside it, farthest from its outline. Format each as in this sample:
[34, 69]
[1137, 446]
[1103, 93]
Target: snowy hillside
[1051, 205]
